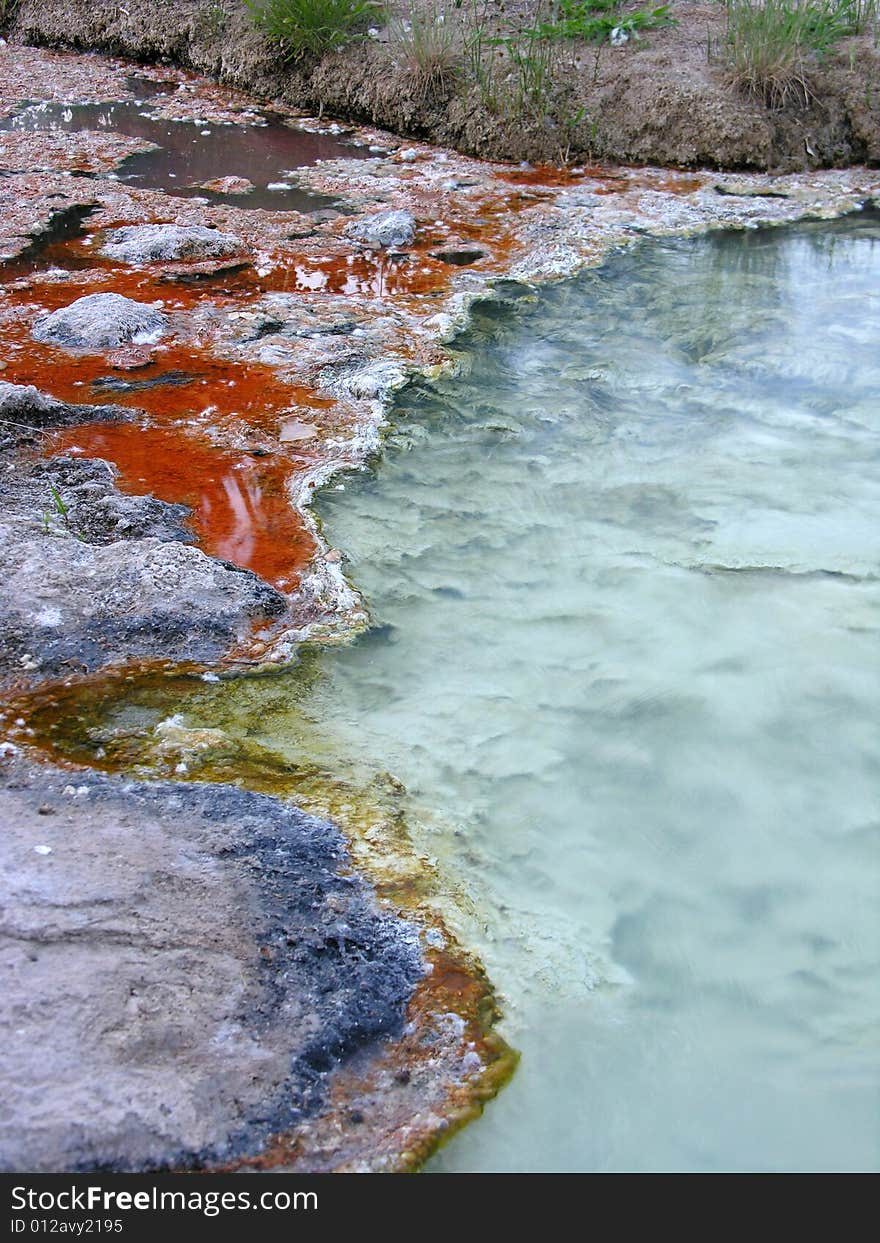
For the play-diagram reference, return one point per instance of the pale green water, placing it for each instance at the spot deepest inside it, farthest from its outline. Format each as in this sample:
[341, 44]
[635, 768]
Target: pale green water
[623, 578]
[664, 772]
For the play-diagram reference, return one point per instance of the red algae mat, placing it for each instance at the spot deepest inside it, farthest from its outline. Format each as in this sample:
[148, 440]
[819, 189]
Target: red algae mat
[241, 507]
[199, 441]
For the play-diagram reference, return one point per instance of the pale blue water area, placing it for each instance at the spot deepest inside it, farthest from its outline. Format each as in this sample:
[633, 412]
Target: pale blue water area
[626, 575]
[625, 657]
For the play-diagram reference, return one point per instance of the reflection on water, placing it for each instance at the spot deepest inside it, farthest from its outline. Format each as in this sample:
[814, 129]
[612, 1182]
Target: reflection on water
[370, 275]
[241, 504]
[189, 154]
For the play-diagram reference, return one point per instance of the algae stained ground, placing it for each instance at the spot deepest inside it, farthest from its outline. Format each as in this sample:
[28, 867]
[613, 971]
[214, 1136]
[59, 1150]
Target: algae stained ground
[623, 579]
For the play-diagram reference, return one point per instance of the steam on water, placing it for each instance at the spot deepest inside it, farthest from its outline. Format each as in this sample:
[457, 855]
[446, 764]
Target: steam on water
[623, 574]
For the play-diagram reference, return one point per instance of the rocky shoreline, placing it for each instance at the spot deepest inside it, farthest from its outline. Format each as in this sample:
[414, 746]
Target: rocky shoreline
[268, 994]
[141, 1028]
[95, 577]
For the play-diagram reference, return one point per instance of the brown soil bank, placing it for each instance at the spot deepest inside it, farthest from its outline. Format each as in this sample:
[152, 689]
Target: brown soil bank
[657, 100]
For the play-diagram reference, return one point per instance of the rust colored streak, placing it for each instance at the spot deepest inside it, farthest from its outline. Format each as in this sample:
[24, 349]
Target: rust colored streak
[241, 508]
[204, 413]
[210, 438]
[97, 277]
[679, 185]
[368, 274]
[354, 273]
[213, 388]
[543, 175]
[665, 185]
[612, 181]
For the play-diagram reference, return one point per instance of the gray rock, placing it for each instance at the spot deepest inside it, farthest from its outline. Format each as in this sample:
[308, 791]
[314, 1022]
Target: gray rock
[100, 321]
[71, 605]
[285, 315]
[95, 510]
[24, 408]
[149, 243]
[18, 400]
[184, 965]
[165, 379]
[388, 230]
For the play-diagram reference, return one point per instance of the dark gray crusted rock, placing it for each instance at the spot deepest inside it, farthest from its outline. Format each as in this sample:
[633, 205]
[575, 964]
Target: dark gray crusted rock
[183, 966]
[17, 400]
[70, 605]
[24, 408]
[388, 230]
[121, 384]
[96, 510]
[285, 314]
[151, 243]
[100, 321]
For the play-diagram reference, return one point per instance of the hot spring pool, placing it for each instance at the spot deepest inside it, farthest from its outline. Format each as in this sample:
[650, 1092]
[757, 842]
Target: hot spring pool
[623, 580]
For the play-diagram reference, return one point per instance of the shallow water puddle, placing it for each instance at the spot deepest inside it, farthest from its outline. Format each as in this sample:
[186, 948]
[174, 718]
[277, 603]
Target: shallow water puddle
[372, 275]
[213, 437]
[189, 154]
[214, 441]
[623, 577]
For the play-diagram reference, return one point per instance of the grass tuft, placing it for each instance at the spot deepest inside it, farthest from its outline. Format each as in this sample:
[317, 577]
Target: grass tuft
[428, 47]
[771, 44]
[313, 27]
[597, 21]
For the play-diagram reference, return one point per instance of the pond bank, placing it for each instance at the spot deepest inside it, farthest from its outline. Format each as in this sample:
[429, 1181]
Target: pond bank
[659, 99]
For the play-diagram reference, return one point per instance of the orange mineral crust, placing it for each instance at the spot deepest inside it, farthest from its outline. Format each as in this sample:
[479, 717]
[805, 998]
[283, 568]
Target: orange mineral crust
[216, 436]
[242, 510]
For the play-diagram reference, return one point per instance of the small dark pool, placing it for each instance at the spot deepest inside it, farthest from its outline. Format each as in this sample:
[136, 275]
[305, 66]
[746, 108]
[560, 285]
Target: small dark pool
[189, 154]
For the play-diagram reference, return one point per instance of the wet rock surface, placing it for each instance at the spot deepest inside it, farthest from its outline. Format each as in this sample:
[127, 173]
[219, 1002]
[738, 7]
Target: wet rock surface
[389, 230]
[183, 966]
[81, 606]
[95, 577]
[151, 243]
[95, 510]
[100, 321]
[24, 409]
[119, 384]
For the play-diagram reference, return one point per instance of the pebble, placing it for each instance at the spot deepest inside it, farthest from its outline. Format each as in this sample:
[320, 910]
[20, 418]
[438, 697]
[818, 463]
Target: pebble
[75, 791]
